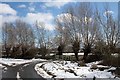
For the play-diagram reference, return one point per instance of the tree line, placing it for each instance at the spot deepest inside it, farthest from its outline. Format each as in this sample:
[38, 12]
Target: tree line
[97, 32]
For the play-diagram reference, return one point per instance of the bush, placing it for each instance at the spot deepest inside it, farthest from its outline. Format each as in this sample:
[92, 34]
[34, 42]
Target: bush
[81, 63]
[93, 58]
[94, 66]
[110, 60]
[43, 51]
[29, 54]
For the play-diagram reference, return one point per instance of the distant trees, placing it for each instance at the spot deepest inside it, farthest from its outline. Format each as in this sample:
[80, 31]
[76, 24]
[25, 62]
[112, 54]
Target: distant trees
[110, 30]
[18, 38]
[42, 38]
[6, 31]
[25, 36]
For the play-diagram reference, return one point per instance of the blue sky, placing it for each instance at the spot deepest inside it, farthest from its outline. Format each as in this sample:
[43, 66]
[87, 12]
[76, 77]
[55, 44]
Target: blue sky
[42, 11]
[52, 9]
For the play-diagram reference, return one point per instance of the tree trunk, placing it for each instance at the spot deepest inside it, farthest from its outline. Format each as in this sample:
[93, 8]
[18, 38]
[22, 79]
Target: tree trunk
[85, 56]
[76, 55]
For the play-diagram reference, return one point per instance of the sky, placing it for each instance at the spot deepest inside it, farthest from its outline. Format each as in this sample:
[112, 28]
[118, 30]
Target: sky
[45, 12]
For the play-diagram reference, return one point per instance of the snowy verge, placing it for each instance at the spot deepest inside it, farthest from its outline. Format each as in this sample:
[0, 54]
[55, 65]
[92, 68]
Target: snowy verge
[15, 62]
[68, 69]
[2, 67]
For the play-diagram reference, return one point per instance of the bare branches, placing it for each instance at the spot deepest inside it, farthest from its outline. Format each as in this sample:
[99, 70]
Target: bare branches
[17, 35]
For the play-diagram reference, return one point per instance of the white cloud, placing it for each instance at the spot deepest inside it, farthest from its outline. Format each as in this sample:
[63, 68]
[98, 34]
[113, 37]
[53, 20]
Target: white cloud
[56, 3]
[6, 9]
[31, 3]
[1, 21]
[30, 18]
[49, 26]
[9, 18]
[65, 17]
[31, 9]
[46, 18]
[108, 12]
[22, 6]
[61, 17]
[43, 17]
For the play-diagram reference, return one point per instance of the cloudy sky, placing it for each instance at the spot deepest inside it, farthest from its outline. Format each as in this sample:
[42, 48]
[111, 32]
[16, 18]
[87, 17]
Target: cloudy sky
[41, 11]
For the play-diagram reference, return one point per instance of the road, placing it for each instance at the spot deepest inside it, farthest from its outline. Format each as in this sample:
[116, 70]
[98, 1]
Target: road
[25, 71]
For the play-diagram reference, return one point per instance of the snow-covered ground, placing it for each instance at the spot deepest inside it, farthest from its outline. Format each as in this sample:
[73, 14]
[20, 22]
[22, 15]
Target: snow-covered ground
[71, 54]
[62, 69]
[14, 62]
[1, 66]
[68, 69]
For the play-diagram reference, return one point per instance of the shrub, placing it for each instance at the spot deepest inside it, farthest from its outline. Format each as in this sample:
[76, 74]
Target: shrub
[81, 63]
[93, 58]
[94, 66]
[29, 54]
[110, 60]
[43, 51]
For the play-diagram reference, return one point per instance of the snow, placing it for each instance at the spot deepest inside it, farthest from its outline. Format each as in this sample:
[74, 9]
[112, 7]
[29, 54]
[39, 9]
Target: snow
[112, 68]
[41, 71]
[18, 76]
[1, 66]
[97, 62]
[56, 69]
[69, 54]
[86, 72]
[61, 69]
[115, 55]
[68, 69]
[38, 59]
[14, 62]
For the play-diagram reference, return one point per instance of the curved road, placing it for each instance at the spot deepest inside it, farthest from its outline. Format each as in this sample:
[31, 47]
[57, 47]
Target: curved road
[26, 72]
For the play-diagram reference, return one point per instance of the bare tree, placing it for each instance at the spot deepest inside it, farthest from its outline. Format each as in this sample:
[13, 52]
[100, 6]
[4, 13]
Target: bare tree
[67, 25]
[88, 27]
[17, 36]
[81, 25]
[42, 36]
[25, 36]
[8, 37]
[110, 29]
[60, 38]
